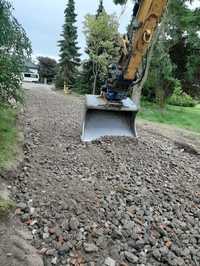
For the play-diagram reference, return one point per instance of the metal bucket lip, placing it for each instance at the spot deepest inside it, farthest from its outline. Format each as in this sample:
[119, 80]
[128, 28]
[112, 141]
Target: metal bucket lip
[129, 112]
[97, 102]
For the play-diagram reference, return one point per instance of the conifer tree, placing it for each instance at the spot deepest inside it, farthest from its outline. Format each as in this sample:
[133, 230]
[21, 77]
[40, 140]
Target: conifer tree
[100, 9]
[69, 56]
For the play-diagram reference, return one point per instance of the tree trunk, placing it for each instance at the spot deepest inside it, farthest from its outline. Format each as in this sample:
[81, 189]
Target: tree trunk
[137, 89]
[136, 94]
[95, 73]
[94, 84]
[65, 78]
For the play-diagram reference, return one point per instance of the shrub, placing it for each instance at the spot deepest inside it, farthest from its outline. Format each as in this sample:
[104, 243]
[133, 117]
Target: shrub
[14, 48]
[181, 98]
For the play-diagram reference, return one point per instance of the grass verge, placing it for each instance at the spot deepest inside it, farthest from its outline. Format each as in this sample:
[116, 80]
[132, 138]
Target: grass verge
[8, 134]
[5, 207]
[183, 117]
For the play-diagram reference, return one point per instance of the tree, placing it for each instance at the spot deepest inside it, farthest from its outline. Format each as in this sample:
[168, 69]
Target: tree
[178, 47]
[101, 35]
[160, 81]
[14, 48]
[161, 73]
[185, 44]
[69, 56]
[137, 89]
[120, 2]
[179, 43]
[100, 9]
[47, 68]
[85, 80]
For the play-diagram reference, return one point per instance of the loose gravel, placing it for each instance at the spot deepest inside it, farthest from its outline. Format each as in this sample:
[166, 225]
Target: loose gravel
[112, 202]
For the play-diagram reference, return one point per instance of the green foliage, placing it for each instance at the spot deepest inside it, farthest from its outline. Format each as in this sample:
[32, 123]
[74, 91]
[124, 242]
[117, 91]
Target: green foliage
[184, 44]
[120, 2]
[101, 35]
[85, 79]
[88, 77]
[192, 73]
[5, 207]
[160, 83]
[181, 98]
[59, 79]
[69, 56]
[8, 133]
[183, 117]
[47, 68]
[176, 55]
[14, 48]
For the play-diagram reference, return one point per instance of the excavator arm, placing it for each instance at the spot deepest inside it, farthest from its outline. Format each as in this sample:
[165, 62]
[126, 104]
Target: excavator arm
[147, 15]
[113, 113]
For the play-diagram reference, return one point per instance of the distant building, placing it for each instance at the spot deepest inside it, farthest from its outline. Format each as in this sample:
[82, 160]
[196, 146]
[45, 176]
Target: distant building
[30, 73]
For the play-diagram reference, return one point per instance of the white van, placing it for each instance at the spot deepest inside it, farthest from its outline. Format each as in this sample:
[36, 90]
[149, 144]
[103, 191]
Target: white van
[30, 77]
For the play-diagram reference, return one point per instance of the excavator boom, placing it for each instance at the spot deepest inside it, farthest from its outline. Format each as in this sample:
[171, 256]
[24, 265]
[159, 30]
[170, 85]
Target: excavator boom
[147, 18]
[112, 113]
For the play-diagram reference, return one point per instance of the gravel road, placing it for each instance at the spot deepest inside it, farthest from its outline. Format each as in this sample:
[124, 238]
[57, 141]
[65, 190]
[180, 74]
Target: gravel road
[116, 201]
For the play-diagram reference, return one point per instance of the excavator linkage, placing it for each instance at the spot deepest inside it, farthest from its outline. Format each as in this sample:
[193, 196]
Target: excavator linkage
[107, 119]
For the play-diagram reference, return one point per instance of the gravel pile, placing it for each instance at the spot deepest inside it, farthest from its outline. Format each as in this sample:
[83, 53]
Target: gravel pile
[112, 202]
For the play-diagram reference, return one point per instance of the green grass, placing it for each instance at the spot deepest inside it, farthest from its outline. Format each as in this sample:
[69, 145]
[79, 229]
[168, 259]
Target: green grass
[5, 207]
[184, 117]
[8, 134]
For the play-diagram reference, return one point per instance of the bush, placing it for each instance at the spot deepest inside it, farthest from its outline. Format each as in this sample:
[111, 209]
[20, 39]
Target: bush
[15, 47]
[181, 98]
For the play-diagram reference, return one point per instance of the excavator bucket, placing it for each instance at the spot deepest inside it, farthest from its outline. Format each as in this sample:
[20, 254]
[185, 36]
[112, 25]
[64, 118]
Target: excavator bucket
[103, 119]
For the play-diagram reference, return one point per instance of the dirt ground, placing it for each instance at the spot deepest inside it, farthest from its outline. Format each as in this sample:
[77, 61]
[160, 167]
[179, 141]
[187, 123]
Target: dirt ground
[116, 201]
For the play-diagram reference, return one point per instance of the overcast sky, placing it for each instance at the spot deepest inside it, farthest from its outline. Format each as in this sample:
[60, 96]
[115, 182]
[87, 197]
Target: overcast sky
[43, 20]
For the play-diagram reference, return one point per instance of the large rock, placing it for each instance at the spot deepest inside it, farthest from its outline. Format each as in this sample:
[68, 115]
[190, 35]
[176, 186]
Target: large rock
[90, 247]
[131, 257]
[109, 262]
